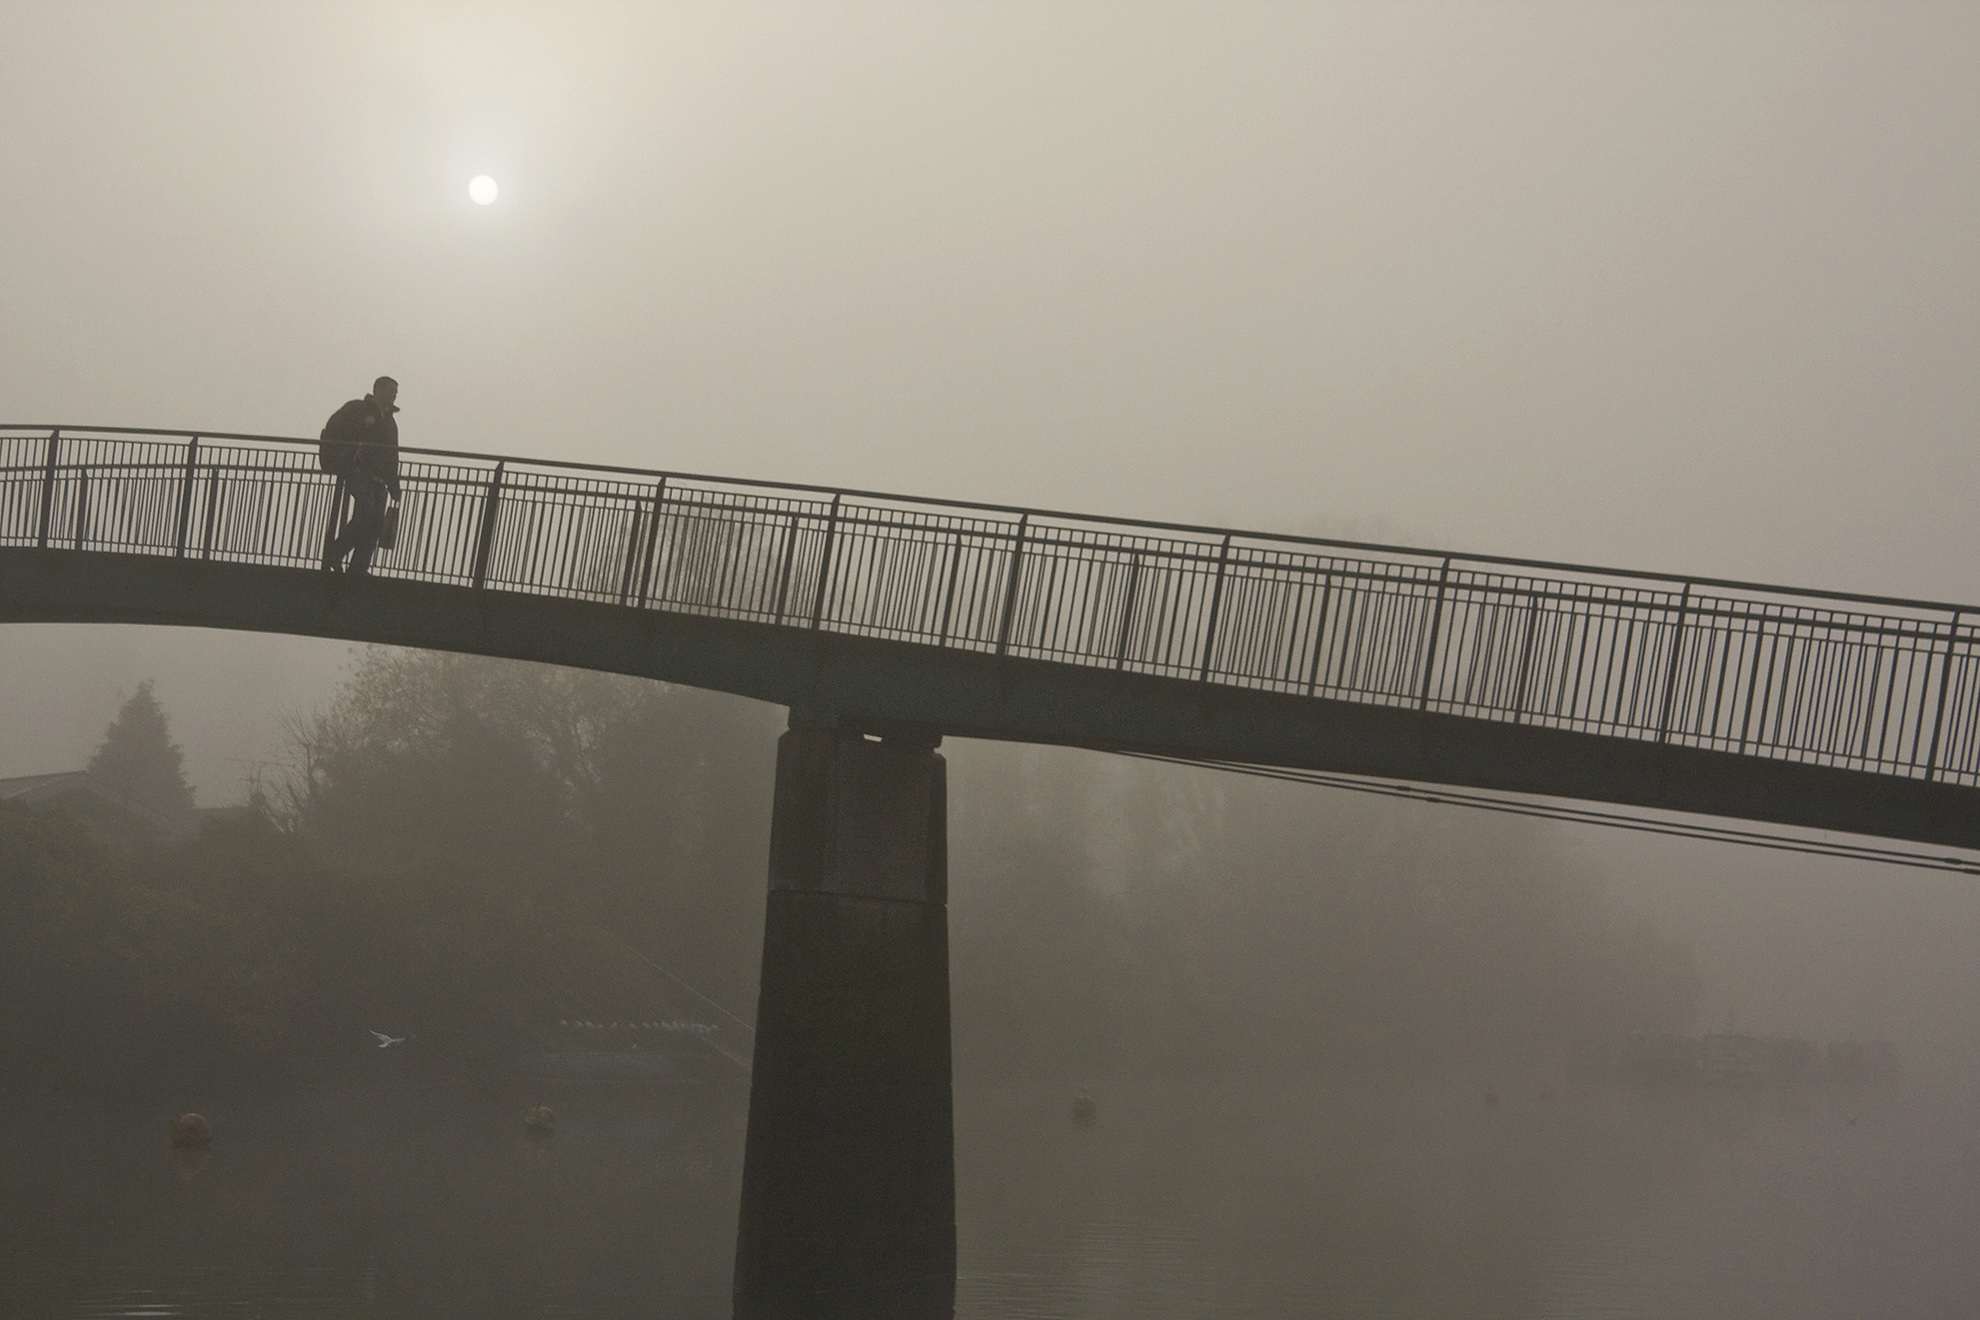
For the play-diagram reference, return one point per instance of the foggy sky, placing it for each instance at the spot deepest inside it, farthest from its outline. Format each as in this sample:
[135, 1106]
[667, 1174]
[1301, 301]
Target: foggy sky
[1688, 287]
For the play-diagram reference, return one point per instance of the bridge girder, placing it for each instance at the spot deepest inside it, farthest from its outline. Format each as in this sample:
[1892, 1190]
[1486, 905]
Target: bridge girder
[963, 693]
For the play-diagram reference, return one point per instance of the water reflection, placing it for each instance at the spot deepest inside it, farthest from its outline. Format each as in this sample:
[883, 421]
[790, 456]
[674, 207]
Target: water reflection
[429, 1203]
[1253, 1200]
[1289, 1201]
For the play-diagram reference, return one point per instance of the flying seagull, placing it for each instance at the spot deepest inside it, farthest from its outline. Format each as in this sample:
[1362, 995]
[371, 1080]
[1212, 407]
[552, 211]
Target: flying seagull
[385, 1041]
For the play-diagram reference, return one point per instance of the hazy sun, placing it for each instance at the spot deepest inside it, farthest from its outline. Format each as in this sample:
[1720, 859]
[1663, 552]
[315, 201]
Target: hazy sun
[481, 189]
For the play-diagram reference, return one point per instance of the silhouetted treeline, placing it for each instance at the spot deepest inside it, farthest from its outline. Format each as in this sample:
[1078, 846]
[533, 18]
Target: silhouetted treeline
[464, 850]
[537, 829]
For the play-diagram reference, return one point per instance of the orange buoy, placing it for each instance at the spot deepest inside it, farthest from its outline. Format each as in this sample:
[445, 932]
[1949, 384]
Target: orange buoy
[191, 1132]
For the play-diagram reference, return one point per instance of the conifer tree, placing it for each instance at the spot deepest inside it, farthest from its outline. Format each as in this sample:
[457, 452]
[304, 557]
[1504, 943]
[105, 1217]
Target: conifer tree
[139, 760]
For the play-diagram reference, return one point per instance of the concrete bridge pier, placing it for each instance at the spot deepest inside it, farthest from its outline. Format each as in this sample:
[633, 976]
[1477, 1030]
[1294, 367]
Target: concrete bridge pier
[848, 1193]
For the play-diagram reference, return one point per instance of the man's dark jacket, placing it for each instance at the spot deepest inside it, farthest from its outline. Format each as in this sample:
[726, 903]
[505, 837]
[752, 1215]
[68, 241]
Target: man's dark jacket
[368, 438]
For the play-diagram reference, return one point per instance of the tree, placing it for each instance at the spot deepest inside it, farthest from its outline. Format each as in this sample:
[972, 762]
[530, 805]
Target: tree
[498, 826]
[139, 760]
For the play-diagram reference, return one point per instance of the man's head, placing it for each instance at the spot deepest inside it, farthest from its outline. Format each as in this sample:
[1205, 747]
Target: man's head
[385, 390]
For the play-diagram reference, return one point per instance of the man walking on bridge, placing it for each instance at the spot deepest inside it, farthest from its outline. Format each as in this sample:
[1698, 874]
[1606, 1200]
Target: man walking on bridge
[361, 446]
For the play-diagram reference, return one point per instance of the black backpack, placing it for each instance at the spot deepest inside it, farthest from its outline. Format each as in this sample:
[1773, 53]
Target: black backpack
[334, 453]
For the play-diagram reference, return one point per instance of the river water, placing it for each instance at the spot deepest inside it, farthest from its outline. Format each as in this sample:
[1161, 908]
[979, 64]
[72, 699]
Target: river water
[1200, 1200]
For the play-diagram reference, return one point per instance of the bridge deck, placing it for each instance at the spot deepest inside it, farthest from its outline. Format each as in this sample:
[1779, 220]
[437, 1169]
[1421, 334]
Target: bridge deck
[1765, 703]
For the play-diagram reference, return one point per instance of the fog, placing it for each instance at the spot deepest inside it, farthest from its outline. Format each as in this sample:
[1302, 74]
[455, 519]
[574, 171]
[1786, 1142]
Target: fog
[1672, 286]
[1683, 287]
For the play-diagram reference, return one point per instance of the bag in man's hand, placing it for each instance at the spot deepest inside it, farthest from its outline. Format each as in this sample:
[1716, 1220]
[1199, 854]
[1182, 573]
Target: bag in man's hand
[388, 535]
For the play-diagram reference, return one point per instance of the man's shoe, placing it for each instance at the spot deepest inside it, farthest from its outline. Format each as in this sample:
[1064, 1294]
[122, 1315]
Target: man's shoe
[330, 564]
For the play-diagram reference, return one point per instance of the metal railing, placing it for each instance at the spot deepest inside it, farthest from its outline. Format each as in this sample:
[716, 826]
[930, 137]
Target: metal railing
[1866, 683]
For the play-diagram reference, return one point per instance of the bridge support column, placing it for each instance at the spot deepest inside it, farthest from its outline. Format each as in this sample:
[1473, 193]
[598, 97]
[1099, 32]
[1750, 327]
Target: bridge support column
[848, 1195]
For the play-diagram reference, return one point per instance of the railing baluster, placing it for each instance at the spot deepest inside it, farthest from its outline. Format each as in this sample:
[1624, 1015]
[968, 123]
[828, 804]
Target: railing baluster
[82, 507]
[186, 496]
[825, 566]
[1127, 611]
[212, 509]
[1319, 632]
[1526, 658]
[1752, 683]
[1011, 586]
[1671, 679]
[485, 539]
[652, 543]
[1945, 685]
[1216, 605]
[949, 594]
[784, 567]
[48, 487]
[1436, 624]
[632, 554]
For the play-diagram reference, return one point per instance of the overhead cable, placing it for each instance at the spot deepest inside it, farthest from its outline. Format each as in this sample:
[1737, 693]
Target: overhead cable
[1683, 829]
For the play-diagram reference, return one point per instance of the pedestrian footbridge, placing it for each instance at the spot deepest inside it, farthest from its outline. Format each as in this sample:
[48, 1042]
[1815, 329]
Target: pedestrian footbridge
[1790, 706]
